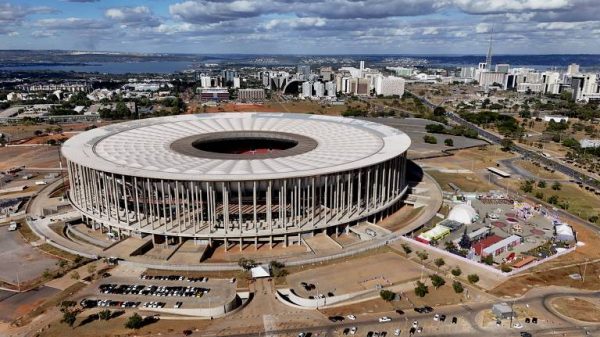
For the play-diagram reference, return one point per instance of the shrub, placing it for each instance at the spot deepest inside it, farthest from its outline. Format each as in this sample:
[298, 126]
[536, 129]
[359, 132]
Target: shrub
[456, 271]
[387, 295]
[458, 287]
[437, 281]
[421, 289]
[448, 142]
[429, 139]
[135, 322]
[473, 278]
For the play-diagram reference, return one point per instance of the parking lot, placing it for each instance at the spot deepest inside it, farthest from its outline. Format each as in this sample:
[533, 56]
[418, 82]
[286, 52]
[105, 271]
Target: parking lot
[173, 291]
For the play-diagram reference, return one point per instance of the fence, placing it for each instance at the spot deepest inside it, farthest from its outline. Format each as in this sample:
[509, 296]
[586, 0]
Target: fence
[481, 265]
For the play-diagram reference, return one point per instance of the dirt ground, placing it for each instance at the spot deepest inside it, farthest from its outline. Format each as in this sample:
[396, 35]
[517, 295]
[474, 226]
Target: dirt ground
[31, 156]
[585, 260]
[470, 159]
[577, 308]
[383, 269]
[116, 327]
[402, 217]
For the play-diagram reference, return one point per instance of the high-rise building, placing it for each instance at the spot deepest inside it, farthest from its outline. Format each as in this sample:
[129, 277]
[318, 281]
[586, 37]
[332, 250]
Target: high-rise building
[236, 82]
[362, 68]
[359, 86]
[307, 89]
[330, 88]
[319, 88]
[573, 69]
[389, 86]
[467, 72]
[229, 75]
[488, 59]
[304, 71]
[205, 81]
[489, 78]
[502, 68]
[326, 73]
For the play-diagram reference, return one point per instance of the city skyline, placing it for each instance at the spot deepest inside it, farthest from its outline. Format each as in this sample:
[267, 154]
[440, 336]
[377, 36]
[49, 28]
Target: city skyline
[313, 27]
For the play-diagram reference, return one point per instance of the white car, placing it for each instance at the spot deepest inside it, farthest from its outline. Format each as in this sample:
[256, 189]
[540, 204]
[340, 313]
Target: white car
[415, 324]
[518, 326]
[397, 332]
[351, 317]
[436, 317]
[353, 330]
[384, 319]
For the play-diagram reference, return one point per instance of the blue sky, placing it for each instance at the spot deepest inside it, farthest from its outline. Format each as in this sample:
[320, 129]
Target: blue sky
[303, 26]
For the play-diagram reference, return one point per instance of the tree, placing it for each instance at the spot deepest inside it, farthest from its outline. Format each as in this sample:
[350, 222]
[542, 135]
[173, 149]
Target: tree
[421, 289]
[435, 128]
[506, 144]
[406, 248]
[439, 111]
[387, 295]
[473, 278]
[488, 259]
[134, 322]
[505, 268]
[69, 317]
[456, 271]
[448, 142]
[541, 184]
[465, 241]
[437, 281]
[556, 186]
[429, 139]
[527, 186]
[423, 255]
[553, 199]
[91, 269]
[246, 264]
[278, 269]
[439, 262]
[458, 287]
[105, 314]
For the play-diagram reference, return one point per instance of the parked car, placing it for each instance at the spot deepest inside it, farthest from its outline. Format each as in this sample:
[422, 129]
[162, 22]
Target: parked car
[397, 332]
[384, 319]
[351, 317]
[454, 320]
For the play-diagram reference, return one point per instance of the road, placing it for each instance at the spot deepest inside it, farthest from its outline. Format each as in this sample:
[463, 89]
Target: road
[526, 153]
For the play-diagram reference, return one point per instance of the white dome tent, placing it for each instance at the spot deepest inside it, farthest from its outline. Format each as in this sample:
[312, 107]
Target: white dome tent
[463, 213]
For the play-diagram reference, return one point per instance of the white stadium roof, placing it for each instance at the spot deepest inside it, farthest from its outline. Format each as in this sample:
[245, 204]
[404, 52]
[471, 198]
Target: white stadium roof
[143, 148]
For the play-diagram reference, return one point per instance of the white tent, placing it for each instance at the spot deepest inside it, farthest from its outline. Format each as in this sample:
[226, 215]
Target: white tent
[260, 272]
[463, 213]
[564, 233]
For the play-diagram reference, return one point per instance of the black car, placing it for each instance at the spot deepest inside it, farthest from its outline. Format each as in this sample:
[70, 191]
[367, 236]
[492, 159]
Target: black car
[336, 318]
[525, 334]
[428, 309]
[399, 312]
[454, 320]
[442, 318]
[411, 332]
[370, 334]
[534, 320]
[420, 310]
[527, 320]
[346, 331]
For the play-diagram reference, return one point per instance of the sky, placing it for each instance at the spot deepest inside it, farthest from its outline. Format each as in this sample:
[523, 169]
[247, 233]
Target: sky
[303, 26]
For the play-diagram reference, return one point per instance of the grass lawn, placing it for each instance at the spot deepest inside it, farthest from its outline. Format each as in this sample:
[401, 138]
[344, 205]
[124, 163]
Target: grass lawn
[539, 171]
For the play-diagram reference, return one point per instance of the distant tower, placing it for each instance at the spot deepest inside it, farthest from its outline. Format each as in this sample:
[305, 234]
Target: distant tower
[362, 65]
[488, 59]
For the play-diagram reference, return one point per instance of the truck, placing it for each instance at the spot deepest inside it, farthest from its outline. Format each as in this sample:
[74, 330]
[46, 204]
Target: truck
[41, 182]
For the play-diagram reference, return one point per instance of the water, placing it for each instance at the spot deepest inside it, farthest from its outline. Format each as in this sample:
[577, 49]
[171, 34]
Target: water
[161, 67]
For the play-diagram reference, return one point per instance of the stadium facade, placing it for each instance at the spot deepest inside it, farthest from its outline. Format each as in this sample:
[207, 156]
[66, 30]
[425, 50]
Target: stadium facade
[247, 178]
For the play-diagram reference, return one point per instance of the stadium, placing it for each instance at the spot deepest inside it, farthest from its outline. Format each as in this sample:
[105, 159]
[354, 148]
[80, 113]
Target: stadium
[236, 178]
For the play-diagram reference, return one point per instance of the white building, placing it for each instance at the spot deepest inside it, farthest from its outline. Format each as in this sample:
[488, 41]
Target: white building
[556, 119]
[236, 82]
[330, 89]
[467, 72]
[251, 94]
[530, 87]
[589, 143]
[389, 86]
[489, 78]
[205, 82]
[307, 89]
[319, 88]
